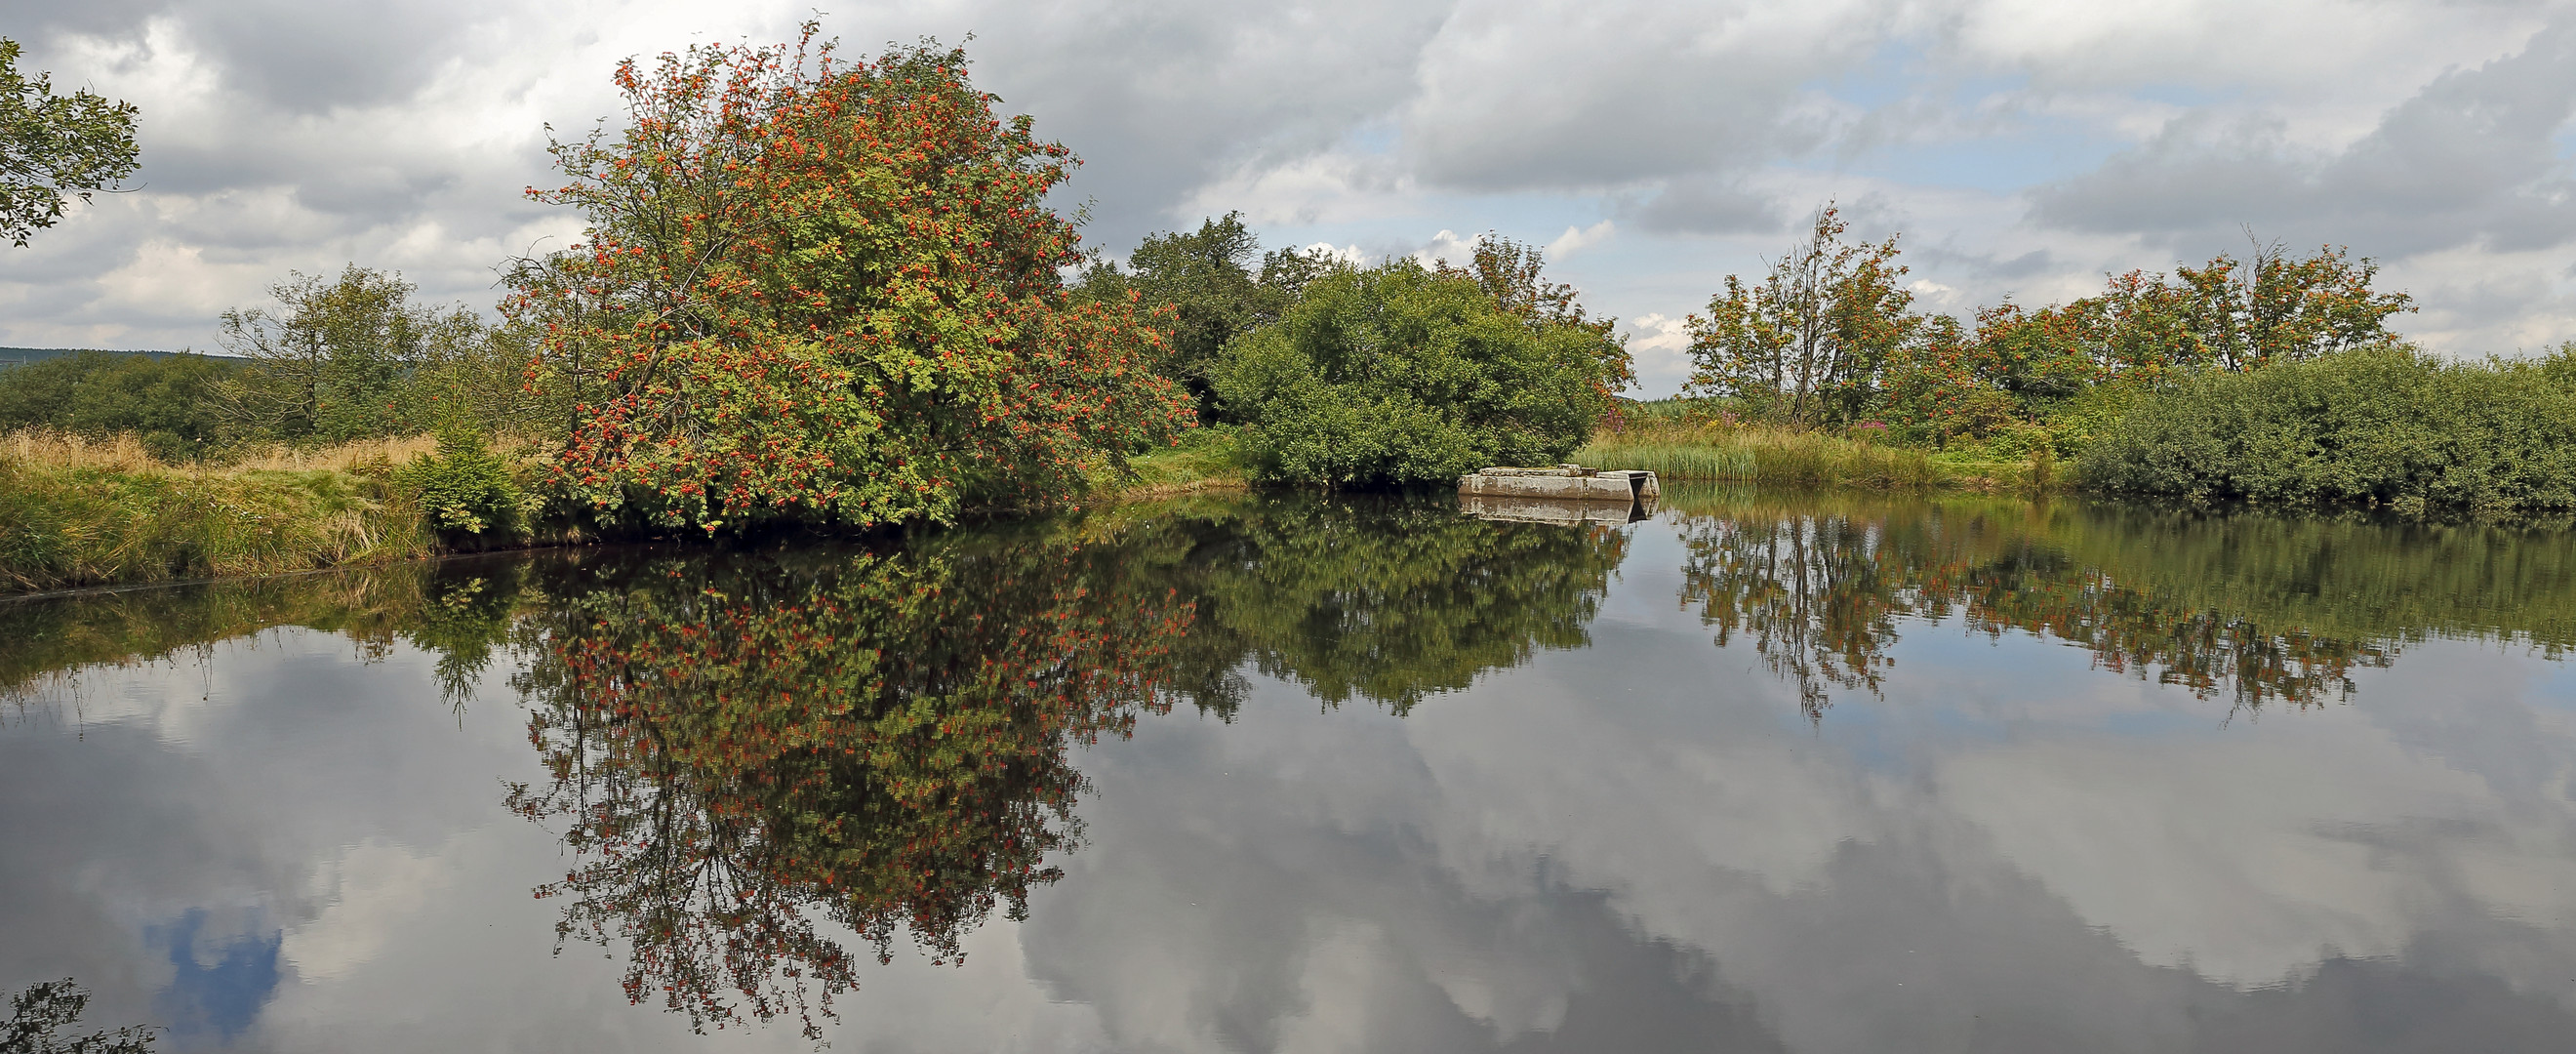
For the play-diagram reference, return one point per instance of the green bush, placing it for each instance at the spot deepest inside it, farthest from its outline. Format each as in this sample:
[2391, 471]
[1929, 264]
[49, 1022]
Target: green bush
[2383, 427]
[464, 489]
[1396, 375]
[2072, 423]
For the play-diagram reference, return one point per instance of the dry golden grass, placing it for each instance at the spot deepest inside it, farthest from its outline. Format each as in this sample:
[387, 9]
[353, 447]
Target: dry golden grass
[80, 511]
[59, 450]
[124, 453]
[340, 457]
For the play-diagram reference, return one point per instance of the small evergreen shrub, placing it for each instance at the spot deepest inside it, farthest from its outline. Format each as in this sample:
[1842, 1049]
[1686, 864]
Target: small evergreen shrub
[464, 489]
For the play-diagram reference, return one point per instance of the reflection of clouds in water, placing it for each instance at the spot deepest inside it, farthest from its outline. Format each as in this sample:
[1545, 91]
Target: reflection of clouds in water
[1231, 900]
[367, 891]
[1638, 845]
[2010, 852]
[203, 824]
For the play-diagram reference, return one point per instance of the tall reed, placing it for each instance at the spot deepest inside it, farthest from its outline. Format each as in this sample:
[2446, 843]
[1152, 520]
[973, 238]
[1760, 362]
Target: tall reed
[1726, 454]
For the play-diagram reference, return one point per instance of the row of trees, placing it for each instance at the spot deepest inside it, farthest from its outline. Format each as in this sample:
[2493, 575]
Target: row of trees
[356, 356]
[1829, 337]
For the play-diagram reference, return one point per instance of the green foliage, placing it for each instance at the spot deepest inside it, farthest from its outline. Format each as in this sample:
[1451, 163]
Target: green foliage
[1806, 346]
[164, 401]
[1205, 291]
[1509, 272]
[1209, 456]
[826, 291]
[2389, 428]
[355, 358]
[38, 1016]
[464, 489]
[2073, 423]
[1397, 375]
[55, 147]
[1827, 339]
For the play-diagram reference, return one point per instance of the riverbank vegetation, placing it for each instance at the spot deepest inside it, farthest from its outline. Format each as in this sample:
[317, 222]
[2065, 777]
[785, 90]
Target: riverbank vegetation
[1402, 374]
[75, 512]
[818, 293]
[2388, 428]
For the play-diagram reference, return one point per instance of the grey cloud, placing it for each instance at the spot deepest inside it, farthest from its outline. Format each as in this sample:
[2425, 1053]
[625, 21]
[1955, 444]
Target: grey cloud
[310, 56]
[2468, 160]
[1674, 119]
[1595, 96]
[105, 18]
[1162, 98]
[1705, 206]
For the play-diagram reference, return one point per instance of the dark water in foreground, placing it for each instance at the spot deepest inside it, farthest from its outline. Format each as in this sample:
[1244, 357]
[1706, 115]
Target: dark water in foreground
[1762, 773]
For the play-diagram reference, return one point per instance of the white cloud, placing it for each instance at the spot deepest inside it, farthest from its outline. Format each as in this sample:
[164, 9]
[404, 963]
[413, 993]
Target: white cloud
[1577, 239]
[1660, 348]
[2021, 146]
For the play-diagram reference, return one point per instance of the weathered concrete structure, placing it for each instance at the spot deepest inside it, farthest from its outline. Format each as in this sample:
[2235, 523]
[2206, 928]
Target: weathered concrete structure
[1558, 511]
[1566, 494]
[1564, 482]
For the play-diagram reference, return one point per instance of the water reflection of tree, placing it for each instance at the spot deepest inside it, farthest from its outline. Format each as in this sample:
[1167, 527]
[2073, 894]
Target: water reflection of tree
[1393, 600]
[458, 611]
[745, 748]
[1811, 593]
[2256, 609]
[39, 1014]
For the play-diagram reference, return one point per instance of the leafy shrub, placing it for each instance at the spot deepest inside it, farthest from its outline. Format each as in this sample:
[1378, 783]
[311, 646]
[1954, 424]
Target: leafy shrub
[2072, 423]
[1396, 375]
[2379, 427]
[463, 489]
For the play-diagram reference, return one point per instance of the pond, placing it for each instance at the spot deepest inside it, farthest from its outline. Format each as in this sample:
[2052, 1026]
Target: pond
[1760, 772]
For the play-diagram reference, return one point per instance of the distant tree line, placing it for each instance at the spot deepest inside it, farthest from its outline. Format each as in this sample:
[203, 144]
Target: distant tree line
[1829, 337]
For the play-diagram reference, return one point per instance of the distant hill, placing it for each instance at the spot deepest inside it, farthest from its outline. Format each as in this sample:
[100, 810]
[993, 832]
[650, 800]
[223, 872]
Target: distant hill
[21, 356]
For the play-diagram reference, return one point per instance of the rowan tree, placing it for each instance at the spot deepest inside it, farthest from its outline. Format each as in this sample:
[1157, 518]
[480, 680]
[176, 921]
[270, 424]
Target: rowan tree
[825, 290]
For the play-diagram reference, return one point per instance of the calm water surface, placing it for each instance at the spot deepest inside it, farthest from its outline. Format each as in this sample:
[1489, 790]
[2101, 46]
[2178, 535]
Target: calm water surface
[1761, 773]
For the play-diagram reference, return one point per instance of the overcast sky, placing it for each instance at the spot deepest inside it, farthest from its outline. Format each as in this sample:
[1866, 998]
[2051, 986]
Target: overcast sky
[2021, 147]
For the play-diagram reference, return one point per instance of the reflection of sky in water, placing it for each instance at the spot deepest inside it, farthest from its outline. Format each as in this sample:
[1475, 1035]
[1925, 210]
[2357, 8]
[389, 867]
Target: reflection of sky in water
[1639, 845]
[216, 987]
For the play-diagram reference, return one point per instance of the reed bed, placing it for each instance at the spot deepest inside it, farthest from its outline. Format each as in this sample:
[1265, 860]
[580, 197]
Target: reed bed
[1723, 454]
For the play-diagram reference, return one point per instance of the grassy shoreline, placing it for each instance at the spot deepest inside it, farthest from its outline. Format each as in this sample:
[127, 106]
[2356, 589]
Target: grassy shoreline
[1777, 457]
[76, 512]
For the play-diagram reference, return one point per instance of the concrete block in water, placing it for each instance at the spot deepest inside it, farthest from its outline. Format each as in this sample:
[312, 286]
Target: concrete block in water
[1564, 482]
[1559, 511]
